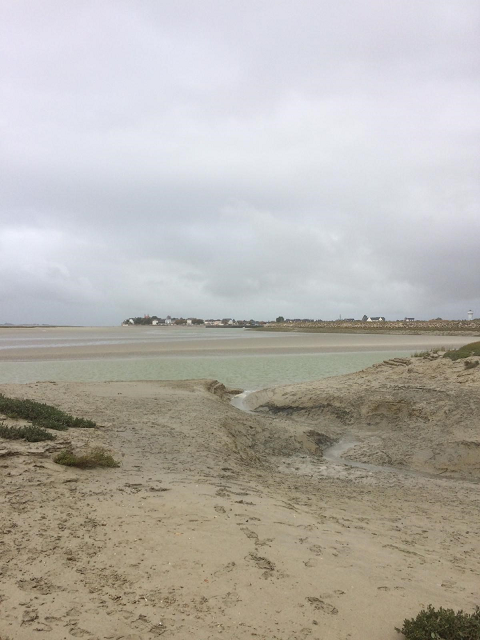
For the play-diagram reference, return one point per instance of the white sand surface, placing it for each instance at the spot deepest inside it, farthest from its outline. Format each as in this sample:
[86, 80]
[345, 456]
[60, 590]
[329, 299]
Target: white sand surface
[226, 524]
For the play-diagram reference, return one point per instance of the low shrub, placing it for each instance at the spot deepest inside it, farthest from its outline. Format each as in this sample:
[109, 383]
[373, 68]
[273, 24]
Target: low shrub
[97, 457]
[29, 433]
[471, 364]
[472, 349]
[442, 624]
[428, 353]
[41, 415]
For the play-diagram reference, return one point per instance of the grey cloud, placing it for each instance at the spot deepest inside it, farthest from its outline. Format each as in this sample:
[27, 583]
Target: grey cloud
[242, 159]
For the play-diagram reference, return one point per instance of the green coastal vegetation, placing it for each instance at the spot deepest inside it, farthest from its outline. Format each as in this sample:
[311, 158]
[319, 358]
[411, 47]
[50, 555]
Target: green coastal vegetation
[442, 624]
[96, 457]
[41, 417]
[467, 351]
[30, 433]
[463, 353]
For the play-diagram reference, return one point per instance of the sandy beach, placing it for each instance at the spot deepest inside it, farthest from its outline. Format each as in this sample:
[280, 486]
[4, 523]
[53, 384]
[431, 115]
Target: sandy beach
[83, 343]
[227, 523]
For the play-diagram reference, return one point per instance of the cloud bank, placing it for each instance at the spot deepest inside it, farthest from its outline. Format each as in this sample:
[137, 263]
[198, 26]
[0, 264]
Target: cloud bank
[240, 159]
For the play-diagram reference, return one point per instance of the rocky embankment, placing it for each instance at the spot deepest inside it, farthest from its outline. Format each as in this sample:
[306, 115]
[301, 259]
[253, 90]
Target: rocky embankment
[421, 413]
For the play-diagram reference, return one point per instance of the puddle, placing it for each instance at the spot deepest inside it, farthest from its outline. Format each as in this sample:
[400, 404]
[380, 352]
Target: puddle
[239, 401]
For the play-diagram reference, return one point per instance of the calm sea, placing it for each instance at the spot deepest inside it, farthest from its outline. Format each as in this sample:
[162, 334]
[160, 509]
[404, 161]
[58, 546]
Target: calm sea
[238, 358]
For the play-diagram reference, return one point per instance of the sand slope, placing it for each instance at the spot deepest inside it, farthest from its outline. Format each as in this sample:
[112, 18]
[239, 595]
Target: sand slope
[416, 413]
[225, 524]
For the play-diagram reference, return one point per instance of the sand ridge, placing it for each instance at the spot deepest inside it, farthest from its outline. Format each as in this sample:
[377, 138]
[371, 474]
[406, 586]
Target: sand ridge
[415, 413]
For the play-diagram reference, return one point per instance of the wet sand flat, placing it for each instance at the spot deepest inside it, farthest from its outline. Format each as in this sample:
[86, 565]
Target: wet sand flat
[117, 342]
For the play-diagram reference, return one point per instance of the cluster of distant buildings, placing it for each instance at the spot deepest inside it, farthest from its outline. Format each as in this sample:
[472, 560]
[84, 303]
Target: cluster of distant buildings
[364, 319]
[374, 319]
[231, 322]
[169, 321]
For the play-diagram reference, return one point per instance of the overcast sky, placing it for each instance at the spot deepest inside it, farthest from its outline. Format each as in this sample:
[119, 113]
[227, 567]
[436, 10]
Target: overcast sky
[239, 158]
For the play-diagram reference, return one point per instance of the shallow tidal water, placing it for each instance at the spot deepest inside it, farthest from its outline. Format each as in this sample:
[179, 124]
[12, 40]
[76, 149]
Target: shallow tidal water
[238, 358]
[246, 372]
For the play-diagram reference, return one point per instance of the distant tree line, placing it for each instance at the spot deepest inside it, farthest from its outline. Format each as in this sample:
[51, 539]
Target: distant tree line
[142, 320]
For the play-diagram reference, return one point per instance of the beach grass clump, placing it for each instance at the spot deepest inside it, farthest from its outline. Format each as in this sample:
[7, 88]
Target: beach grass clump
[429, 353]
[442, 624]
[41, 415]
[468, 350]
[30, 433]
[96, 457]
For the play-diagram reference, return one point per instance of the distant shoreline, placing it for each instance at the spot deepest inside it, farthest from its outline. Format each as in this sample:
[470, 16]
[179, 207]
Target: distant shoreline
[42, 326]
[375, 330]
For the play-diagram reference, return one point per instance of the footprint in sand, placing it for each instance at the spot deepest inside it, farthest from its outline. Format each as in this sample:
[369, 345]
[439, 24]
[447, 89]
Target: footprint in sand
[231, 599]
[265, 564]
[310, 563]
[249, 533]
[316, 549]
[254, 536]
[226, 569]
[220, 509]
[321, 605]
[143, 624]
[78, 632]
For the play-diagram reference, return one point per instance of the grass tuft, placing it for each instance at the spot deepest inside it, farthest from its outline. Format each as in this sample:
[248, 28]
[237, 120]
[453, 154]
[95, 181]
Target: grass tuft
[29, 433]
[96, 457]
[428, 353]
[472, 349]
[41, 415]
[442, 624]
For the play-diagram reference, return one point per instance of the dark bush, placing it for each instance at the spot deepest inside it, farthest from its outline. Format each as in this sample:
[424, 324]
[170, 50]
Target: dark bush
[28, 433]
[41, 415]
[442, 624]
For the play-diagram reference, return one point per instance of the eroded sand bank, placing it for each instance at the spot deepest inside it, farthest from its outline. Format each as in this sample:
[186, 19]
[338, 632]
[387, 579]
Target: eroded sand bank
[221, 523]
